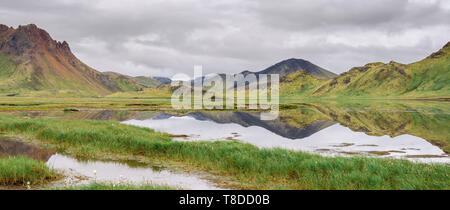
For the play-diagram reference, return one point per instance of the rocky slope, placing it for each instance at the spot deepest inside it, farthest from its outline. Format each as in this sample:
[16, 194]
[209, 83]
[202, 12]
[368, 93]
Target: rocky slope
[31, 61]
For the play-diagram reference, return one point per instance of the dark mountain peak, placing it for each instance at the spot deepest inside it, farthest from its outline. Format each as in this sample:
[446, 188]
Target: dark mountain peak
[34, 33]
[29, 39]
[296, 60]
[291, 65]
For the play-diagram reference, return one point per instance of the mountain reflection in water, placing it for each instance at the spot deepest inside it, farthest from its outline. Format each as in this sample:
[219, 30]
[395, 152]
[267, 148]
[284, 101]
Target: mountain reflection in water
[411, 129]
[386, 131]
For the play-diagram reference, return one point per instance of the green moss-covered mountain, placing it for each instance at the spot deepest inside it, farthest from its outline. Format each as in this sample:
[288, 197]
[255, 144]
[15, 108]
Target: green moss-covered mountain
[31, 62]
[428, 78]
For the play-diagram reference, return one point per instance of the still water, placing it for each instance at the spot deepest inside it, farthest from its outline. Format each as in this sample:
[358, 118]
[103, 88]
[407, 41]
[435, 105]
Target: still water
[418, 131]
[79, 172]
[333, 139]
[83, 172]
[389, 132]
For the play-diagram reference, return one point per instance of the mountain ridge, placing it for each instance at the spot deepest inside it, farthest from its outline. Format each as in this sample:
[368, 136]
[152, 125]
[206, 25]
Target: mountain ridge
[31, 61]
[40, 64]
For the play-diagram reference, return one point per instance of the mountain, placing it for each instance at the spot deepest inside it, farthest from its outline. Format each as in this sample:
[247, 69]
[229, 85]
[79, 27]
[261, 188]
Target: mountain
[292, 65]
[429, 77]
[298, 77]
[31, 61]
[294, 73]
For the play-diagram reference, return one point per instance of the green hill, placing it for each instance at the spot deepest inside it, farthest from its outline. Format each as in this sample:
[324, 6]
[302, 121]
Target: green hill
[428, 78]
[298, 84]
[431, 76]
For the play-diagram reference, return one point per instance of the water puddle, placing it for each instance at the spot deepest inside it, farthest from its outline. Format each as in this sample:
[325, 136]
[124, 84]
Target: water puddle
[332, 139]
[84, 172]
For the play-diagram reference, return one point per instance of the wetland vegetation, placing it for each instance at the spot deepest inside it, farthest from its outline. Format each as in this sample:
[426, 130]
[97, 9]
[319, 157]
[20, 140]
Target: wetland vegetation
[23, 172]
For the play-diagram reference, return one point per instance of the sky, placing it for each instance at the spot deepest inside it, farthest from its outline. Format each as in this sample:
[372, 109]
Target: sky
[166, 37]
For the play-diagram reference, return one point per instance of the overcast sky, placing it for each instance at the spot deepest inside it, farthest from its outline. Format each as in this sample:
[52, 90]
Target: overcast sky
[165, 37]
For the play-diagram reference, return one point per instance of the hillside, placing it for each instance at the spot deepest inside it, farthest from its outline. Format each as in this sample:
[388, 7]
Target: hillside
[152, 82]
[31, 62]
[429, 77]
[299, 84]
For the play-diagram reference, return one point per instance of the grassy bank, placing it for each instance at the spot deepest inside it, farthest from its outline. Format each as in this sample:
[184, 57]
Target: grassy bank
[109, 186]
[246, 165]
[20, 171]
[55, 103]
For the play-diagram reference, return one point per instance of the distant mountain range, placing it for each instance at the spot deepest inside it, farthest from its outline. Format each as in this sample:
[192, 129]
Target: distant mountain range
[31, 62]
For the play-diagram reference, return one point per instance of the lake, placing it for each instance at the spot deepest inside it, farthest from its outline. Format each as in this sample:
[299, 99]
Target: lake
[412, 130]
[418, 131]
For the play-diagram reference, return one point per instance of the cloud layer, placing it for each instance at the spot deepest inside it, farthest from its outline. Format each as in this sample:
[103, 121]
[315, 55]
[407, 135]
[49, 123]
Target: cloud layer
[165, 37]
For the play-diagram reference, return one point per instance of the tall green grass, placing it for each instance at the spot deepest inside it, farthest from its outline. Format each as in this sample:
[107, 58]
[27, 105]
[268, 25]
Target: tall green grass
[246, 165]
[23, 171]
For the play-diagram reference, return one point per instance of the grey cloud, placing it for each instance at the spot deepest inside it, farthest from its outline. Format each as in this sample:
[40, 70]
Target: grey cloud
[334, 14]
[166, 37]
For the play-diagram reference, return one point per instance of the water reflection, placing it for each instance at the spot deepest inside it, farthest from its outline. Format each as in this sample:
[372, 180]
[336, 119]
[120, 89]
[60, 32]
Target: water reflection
[79, 172]
[332, 140]
[253, 119]
[83, 172]
[410, 129]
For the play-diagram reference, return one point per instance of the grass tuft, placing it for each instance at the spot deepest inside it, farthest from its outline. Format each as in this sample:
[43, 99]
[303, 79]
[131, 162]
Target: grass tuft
[21, 171]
